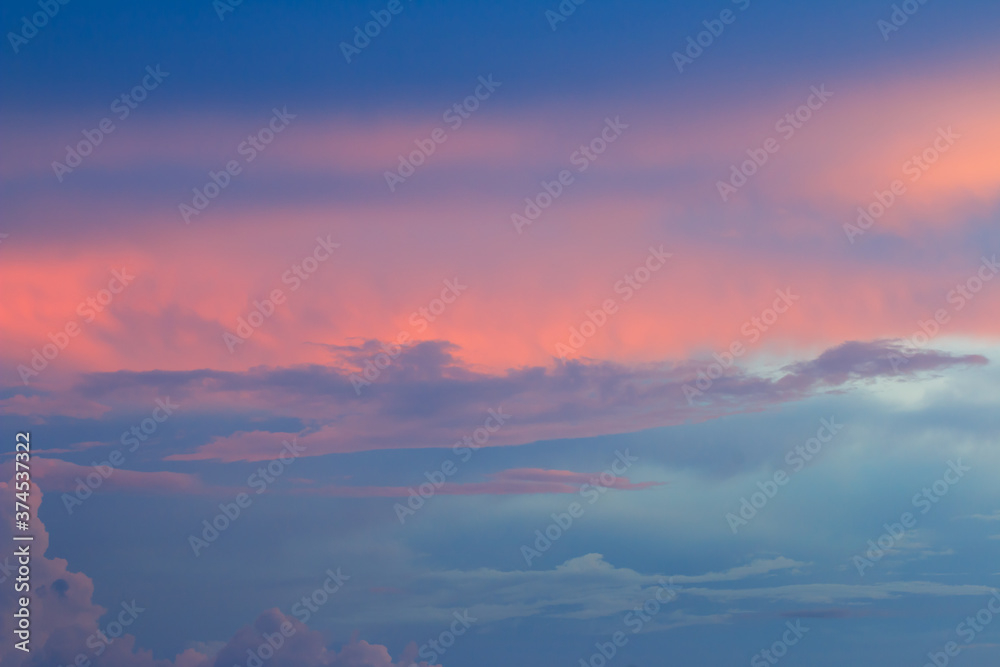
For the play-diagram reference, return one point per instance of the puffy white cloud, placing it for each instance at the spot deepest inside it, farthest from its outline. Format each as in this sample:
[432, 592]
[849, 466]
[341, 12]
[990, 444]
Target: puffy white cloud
[66, 624]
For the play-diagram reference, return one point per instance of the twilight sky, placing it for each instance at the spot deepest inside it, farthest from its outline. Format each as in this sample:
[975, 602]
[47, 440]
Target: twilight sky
[615, 334]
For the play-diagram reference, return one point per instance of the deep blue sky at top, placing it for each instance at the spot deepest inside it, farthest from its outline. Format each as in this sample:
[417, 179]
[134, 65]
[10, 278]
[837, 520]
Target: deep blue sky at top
[288, 52]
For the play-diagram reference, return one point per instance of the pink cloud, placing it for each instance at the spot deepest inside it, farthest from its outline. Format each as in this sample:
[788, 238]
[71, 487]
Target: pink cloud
[174, 320]
[515, 481]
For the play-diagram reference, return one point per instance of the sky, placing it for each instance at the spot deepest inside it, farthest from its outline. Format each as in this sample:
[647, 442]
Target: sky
[394, 333]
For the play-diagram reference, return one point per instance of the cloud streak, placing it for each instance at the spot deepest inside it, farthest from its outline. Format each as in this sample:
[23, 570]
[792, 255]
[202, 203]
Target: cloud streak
[430, 398]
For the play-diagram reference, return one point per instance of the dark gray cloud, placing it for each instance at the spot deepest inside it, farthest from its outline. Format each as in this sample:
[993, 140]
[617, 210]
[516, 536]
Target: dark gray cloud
[428, 397]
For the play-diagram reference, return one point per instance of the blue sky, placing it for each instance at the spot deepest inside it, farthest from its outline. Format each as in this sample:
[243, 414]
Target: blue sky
[407, 412]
